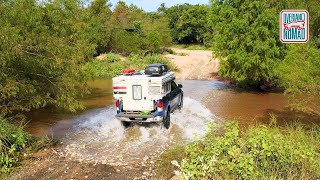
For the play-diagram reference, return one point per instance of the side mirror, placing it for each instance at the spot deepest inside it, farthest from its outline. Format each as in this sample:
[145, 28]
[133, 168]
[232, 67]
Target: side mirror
[180, 86]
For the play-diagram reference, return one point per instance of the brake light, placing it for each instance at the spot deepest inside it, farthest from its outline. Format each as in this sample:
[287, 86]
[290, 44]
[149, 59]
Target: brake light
[118, 104]
[160, 106]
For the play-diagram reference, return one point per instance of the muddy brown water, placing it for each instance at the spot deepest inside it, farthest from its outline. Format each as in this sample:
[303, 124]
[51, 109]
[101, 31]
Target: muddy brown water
[223, 100]
[95, 136]
[54, 122]
[245, 107]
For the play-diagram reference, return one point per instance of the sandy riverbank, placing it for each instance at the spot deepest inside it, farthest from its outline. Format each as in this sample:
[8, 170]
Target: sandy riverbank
[194, 64]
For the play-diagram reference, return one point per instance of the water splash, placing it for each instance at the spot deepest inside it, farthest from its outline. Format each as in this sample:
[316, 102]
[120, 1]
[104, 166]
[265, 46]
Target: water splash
[98, 136]
[193, 118]
[102, 124]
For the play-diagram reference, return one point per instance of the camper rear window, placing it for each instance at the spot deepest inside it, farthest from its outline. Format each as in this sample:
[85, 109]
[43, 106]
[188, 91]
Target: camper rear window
[137, 92]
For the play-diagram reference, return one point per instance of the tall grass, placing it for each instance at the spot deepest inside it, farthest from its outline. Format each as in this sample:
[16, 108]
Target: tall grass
[13, 141]
[259, 152]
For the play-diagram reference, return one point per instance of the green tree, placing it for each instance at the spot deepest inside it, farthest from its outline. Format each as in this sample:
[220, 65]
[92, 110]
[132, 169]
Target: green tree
[162, 8]
[299, 74]
[42, 49]
[193, 25]
[154, 42]
[174, 13]
[98, 19]
[157, 25]
[189, 23]
[127, 30]
[312, 6]
[136, 31]
[120, 14]
[247, 36]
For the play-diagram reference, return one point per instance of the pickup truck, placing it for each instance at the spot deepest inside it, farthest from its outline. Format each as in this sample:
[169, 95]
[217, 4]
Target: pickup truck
[148, 96]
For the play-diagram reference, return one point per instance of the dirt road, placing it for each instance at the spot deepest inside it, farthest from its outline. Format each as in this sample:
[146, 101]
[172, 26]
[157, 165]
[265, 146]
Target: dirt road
[195, 64]
[49, 164]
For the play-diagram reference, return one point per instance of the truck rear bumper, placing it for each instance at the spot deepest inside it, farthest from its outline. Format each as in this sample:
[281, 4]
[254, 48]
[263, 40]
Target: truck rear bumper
[139, 118]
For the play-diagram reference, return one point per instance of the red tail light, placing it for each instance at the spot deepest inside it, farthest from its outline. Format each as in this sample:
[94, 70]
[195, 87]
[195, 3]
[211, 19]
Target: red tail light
[160, 104]
[117, 103]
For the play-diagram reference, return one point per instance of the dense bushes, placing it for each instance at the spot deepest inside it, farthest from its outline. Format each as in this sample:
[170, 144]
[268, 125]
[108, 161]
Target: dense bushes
[259, 152]
[299, 74]
[42, 49]
[246, 36]
[14, 142]
[248, 40]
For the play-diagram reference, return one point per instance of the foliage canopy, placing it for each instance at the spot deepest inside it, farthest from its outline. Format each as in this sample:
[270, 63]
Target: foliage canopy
[246, 35]
[41, 52]
[189, 23]
[44, 47]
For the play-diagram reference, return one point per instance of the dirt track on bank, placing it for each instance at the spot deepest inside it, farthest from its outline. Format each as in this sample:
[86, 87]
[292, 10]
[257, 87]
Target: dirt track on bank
[48, 164]
[194, 64]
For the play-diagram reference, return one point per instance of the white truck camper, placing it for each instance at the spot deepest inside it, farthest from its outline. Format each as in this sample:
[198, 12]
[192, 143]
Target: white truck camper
[147, 96]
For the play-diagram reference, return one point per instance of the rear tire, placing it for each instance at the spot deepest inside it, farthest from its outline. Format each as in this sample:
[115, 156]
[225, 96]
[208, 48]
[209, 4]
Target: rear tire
[166, 120]
[126, 124]
[180, 106]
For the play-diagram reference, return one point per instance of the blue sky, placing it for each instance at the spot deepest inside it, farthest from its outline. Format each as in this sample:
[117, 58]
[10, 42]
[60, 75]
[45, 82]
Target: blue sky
[152, 5]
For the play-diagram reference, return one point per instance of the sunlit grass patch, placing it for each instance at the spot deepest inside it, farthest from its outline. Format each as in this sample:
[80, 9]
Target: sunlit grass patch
[258, 152]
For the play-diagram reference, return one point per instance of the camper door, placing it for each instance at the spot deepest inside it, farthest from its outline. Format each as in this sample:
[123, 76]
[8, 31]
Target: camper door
[137, 98]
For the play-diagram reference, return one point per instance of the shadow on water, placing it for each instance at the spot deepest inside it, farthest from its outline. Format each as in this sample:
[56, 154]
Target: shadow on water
[287, 117]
